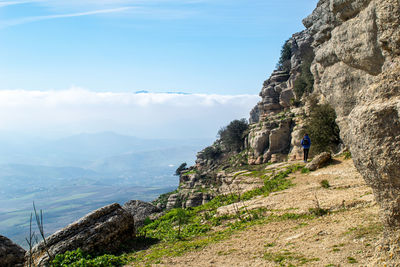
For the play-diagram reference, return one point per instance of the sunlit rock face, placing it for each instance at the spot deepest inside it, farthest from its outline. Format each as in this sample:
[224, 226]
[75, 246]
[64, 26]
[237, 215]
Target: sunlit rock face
[273, 119]
[357, 70]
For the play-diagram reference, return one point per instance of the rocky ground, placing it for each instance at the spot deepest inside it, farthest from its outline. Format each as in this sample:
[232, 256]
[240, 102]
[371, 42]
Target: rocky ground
[346, 236]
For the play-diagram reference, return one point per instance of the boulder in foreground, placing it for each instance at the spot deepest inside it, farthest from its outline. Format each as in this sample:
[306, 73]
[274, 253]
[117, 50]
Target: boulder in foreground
[11, 255]
[103, 230]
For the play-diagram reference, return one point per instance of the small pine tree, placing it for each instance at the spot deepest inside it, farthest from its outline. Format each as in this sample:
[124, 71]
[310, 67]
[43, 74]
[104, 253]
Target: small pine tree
[284, 60]
[181, 218]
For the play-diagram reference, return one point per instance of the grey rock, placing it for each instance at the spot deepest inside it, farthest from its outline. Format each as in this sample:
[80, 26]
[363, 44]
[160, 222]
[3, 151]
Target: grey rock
[140, 210]
[254, 115]
[194, 200]
[10, 254]
[172, 201]
[319, 161]
[102, 230]
[285, 98]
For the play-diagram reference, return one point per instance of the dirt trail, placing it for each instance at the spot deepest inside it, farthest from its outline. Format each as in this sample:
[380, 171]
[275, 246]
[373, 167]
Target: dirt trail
[345, 237]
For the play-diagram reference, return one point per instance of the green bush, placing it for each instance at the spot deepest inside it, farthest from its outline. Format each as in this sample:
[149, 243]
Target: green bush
[78, 258]
[325, 184]
[322, 128]
[347, 155]
[284, 60]
[212, 152]
[234, 134]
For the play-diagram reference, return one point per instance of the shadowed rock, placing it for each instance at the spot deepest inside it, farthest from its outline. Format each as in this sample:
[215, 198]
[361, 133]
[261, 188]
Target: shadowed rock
[103, 230]
[11, 255]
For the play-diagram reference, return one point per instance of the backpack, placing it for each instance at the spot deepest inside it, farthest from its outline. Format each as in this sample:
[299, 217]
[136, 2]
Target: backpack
[305, 142]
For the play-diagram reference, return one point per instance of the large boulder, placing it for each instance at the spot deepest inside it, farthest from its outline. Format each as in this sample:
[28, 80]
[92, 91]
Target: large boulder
[11, 255]
[103, 230]
[357, 71]
[140, 210]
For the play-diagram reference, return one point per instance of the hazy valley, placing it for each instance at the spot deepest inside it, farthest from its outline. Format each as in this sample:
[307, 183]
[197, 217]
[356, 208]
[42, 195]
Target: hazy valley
[70, 177]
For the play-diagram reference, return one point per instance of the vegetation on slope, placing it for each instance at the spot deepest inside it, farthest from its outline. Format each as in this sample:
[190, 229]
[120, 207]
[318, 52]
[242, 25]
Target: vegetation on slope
[182, 230]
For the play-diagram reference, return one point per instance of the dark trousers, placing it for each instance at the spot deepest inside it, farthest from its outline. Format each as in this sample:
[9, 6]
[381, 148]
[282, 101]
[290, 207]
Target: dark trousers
[306, 150]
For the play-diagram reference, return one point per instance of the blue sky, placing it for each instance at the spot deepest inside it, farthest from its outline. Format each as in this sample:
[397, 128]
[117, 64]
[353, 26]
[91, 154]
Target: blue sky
[72, 66]
[197, 46]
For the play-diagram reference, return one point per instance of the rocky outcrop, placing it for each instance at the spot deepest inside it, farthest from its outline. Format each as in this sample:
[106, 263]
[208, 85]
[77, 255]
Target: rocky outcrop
[195, 189]
[272, 120]
[11, 255]
[277, 92]
[270, 138]
[357, 70]
[140, 210]
[319, 161]
[102, 230]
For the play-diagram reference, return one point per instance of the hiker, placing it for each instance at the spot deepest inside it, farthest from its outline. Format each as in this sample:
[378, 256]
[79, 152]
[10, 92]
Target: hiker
[306, 143]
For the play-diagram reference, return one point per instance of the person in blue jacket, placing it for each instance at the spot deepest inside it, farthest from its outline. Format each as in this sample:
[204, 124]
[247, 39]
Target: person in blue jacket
[306, 143]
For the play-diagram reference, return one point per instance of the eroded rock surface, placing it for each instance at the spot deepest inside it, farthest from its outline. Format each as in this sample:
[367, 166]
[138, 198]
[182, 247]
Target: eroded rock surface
[357, 70]
[140, 210]
[10, 254]
[272, 120]
[102, 230]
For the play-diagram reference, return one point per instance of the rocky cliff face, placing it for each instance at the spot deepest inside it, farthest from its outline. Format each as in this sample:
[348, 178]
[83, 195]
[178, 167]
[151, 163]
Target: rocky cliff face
[357, 70]
[273, 119]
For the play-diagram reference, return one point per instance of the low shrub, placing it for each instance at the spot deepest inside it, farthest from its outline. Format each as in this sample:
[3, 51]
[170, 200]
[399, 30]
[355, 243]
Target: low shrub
[212, 152]
[234, 134]
[325, 184]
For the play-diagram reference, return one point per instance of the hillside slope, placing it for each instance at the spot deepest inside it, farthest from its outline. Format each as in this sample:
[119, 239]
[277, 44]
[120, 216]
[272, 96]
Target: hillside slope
[288, 230]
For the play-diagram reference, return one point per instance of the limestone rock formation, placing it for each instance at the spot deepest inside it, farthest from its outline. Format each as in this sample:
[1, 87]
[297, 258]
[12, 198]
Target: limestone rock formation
[140, 210]
[11, 255]
[319, 161]
[357, 70]
[194, 190]
[102, 230]
[272, 120]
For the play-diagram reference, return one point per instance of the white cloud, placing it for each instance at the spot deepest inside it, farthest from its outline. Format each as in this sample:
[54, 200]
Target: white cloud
[156, 9]
[147, 114]
[14, 22]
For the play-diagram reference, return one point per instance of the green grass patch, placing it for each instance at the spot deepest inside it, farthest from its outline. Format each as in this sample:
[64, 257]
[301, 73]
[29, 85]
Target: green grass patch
[288, 258]
[368, 230]
[78, 258]
[305, 170]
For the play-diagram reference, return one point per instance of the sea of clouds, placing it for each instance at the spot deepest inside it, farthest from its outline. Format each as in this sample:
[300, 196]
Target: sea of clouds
[144, 114]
